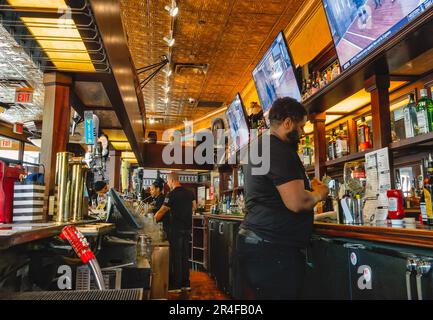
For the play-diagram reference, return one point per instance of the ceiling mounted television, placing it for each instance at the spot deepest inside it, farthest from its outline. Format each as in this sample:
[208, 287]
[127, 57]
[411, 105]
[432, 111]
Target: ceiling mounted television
[274, 76]
[359, 26]
[237, 119]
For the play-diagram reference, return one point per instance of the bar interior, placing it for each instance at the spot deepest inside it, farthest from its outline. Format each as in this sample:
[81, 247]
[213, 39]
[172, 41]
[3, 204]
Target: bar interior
[108, 106]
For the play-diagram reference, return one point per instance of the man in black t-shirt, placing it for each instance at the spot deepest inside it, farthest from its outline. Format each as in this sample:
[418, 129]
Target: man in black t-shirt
[280, 205]
[181, 204]
[156, 191]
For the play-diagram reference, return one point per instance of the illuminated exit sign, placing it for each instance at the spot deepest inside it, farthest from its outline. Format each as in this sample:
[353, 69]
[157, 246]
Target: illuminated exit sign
[24, 95]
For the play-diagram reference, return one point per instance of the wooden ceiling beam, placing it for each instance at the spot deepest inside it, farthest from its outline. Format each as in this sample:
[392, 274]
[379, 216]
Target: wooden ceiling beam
[122, 84]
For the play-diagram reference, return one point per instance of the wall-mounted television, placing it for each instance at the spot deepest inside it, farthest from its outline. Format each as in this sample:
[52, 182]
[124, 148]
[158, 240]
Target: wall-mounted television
[360, 26]
[274, 75]
[237, 119]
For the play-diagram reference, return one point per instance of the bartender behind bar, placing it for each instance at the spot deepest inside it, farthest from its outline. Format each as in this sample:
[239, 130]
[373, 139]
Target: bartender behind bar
[181, 203]
[280, 206]
[156, 192]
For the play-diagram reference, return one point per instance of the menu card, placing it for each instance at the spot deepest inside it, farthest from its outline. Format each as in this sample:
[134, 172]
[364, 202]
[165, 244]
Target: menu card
[378, 183]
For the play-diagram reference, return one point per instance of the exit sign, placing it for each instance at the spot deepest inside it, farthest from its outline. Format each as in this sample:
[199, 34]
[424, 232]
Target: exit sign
[24, 95]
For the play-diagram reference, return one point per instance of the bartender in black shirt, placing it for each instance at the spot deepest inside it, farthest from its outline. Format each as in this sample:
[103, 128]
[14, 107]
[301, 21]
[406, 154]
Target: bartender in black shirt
[280, 205]
[156, 191]
[181, 204]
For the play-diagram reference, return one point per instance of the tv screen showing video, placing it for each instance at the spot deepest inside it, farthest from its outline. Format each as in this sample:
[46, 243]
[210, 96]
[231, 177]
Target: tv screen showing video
[359, 26]
[274, 75]
[236, 117]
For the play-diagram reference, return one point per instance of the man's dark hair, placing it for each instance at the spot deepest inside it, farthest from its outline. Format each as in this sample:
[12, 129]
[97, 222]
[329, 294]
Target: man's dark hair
[284, 108]
[99, 185]
[158, 183]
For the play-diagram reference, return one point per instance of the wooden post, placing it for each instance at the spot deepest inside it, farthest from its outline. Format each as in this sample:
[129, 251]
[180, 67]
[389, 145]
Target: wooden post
[320, 149]
[378, 86]
[21, 151]
[353, 136]
[114, 165]
[55, 126]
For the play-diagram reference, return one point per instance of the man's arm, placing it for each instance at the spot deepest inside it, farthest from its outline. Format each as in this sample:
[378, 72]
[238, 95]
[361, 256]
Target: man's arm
[161, 212]
[297, 199]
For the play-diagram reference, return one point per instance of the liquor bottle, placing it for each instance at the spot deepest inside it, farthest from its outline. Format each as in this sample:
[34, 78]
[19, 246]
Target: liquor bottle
[341, 143]
[426, 103]
[301, 151]
[228, 210]
[428, 191]
[223, 204]
[410, 117]
[331, 153]
[307, 152]
[422, 115]
[364, 136]
[422, 207]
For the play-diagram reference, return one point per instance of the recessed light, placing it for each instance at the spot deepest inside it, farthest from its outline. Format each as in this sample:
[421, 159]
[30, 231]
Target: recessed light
[169, 40]
[173, 9]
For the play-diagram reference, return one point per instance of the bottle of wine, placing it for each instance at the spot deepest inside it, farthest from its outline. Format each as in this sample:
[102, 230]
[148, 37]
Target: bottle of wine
[421, 114]
[410, 117]
[307, 152]
[426, 103]
[341, 144]
[331, 146]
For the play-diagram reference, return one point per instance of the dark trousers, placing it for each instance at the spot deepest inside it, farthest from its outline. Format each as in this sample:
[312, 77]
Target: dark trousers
[271, 271]
[179, 256]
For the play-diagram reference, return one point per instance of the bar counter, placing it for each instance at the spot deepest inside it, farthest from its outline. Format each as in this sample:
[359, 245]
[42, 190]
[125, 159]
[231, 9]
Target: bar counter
[419, 235]
[20, 233]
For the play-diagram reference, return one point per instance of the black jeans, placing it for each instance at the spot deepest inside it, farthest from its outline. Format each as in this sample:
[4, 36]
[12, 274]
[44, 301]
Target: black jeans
[179, 256]
[271, 271]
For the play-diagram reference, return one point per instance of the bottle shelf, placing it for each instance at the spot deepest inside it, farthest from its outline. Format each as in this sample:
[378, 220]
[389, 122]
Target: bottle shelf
[309, 168]
[350, 157]
[411, 142]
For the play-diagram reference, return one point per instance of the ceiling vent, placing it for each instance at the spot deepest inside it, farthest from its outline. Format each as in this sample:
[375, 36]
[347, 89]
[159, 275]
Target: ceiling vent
[188, 69]
[210, 104]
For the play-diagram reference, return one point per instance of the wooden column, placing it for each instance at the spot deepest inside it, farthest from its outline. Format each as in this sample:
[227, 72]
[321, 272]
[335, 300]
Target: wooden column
[21, 151]
[55, 126]
[378, 86]
[353, 136]
[320, 148]
[113, 166]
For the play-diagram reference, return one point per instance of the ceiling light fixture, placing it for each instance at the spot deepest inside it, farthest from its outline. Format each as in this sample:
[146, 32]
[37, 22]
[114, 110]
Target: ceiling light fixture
[166, 88]
[168, 72]
[166, 100]
[173, 10]
[169, 40]
[151, 120]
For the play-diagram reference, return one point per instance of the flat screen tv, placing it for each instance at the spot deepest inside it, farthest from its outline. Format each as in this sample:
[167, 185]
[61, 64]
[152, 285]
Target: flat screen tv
[360, 26]
[238, 123]
[274, 76]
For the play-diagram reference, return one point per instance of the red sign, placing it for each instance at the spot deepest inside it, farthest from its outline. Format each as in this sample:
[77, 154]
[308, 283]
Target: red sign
[24, 95]
[18, 128]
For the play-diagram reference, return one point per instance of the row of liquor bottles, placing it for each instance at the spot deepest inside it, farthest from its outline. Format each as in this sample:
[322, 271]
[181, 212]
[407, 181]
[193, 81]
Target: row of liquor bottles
[337, 143]
[417, 116]
[315, 81]
[229, 204]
